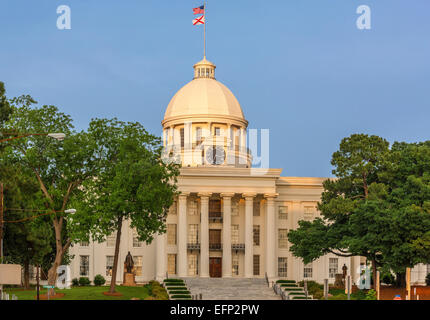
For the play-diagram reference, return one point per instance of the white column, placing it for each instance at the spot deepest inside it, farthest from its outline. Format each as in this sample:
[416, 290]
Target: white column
[271, 256]
[182, 235]
[226, 236]
[242, 139]
[204, 235]
[161, 257]
[249, 242]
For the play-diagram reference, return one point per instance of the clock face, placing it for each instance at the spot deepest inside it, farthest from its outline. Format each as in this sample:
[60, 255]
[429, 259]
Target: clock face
[215, 155]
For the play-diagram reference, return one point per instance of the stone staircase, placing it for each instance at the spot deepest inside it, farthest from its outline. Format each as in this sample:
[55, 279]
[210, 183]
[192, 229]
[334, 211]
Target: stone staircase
[231, 289]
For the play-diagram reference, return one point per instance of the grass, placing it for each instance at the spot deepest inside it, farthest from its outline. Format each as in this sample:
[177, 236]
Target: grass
[85, 293]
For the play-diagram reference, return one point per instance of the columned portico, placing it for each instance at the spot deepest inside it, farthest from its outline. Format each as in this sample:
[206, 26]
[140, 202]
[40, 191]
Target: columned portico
[182, 235]
[270, 236]
[204, 234]
[226, 256]
[249, 244]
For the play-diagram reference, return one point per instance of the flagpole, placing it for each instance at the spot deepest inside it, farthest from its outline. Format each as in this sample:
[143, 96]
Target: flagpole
[204, 33]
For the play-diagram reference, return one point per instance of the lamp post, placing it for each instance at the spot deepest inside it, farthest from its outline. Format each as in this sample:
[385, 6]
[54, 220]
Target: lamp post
[56, 136]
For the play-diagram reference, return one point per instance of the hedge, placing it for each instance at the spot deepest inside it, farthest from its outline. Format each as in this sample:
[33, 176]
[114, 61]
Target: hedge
[299, 298]
[289, 285]
[286, 281]
[173, 280]
[177, 288]
[180, 296]
[179, 292]
[293, 289]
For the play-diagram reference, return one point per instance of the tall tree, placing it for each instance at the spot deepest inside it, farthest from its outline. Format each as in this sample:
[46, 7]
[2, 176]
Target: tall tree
[351, 222]
[134, 184]
[60, 167]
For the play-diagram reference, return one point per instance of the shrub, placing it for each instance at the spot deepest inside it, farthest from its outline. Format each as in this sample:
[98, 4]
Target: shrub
[428, 279]
[176, 288]
[314, 289]
[99, 280]
[75, 282]
[371, 295]
[84, 281]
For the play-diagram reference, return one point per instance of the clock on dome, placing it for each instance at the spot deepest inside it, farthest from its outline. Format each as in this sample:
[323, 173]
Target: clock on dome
[215, 155]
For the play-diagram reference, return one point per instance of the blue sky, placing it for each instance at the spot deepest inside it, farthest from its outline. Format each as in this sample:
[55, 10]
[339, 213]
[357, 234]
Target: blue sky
[300, 68]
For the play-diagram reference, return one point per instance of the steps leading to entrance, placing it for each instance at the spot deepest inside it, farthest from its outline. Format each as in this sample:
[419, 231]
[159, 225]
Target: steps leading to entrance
[231, 289]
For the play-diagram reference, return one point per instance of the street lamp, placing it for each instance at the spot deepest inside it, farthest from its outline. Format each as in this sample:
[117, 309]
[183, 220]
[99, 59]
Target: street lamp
[56, 136]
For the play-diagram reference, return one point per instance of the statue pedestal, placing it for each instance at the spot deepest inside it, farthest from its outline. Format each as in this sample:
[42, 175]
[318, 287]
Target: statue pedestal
[129, 280]
[339, 281]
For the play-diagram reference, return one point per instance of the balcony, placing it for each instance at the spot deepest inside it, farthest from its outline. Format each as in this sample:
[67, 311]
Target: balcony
[193, 246]
[215, 246]
[238, 247]
[215, 217]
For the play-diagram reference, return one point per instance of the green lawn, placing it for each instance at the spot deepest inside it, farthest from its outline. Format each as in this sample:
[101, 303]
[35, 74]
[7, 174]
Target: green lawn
[85, 293]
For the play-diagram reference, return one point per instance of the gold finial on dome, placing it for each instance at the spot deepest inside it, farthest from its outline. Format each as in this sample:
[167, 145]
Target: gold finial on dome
[204, 69]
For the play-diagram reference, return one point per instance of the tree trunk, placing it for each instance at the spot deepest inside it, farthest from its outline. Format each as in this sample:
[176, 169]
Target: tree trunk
[401, 280]
[26, 274]
[116, 257]
[52, 272]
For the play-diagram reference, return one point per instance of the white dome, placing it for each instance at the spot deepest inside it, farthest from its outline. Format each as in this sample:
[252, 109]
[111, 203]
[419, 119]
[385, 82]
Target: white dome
[204, 97]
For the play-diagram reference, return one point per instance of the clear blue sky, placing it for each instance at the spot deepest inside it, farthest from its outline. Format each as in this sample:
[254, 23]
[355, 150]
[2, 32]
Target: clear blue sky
[300, 68]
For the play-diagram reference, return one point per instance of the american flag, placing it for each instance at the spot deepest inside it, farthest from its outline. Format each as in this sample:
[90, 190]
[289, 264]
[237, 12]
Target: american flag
[199, 10]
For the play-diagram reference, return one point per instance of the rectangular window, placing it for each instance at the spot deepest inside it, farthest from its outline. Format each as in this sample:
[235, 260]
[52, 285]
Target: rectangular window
[234, 209]
[235, 264]
[111, 241]
[234, 234]
[182, 133]
[193, 265]
[283, 213]
[198, 135]
[231, 138]
[256, 265]
[109, 266]
[282, 267]
[192, 211]
[171, 263]
[193, 233]
[171, 234]
[84, 266]
[309, 213]
[136, 242]
[256, 235]
[332, 267]
[307, 271]
[256, 208]
[84, 243]
[217, 131]
[138, 266]
[283, 239]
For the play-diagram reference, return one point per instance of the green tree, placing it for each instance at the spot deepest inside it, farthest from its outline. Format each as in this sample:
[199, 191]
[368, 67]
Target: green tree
[134, 184]
[59, 167]
[352, 222]
[408, 197]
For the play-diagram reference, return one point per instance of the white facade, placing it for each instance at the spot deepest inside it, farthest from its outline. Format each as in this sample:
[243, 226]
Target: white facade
[230, 220]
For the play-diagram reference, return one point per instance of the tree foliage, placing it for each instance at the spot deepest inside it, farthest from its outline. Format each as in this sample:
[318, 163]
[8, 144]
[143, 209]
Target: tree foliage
[377, 207]
[133, 184]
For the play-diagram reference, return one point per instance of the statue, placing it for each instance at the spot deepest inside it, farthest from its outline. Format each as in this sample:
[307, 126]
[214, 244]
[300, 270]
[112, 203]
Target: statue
[129, 280]
[344, 271]
[129, 263]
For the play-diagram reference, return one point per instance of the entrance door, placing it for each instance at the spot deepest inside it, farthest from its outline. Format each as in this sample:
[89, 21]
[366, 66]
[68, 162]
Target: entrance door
[215, 267]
